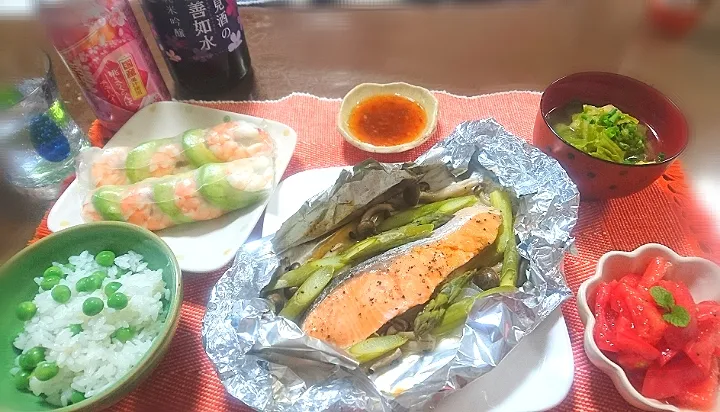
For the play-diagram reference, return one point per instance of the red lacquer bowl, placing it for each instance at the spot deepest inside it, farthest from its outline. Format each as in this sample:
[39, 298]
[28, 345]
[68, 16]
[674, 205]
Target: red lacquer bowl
[597, 178]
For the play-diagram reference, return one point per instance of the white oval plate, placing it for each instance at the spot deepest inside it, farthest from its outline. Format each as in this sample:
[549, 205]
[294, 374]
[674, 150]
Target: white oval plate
[203, 246]
[535, 376]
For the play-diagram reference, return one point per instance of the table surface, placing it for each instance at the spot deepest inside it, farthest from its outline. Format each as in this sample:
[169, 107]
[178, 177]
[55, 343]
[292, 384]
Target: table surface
[465, 50]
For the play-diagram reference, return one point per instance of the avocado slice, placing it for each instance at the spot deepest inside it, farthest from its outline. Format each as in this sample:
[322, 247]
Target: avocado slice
[195, 148]
[106, 201]
[217, 191]
[164, 195]
[137, 163]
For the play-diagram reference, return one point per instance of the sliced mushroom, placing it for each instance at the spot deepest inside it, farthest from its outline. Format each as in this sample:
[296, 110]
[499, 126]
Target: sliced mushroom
[455, 189]
[277, 299]
[486, 278]
[370, 219]
[411, 194]
[385, 360]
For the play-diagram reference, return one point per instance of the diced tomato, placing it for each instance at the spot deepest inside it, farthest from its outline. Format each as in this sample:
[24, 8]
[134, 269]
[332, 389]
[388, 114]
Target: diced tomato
[675, 336]
[701, 395]
[617, 301]
[662, 382]
[631, 280]
[656, 270]
[603, 332]
[666, 355]
[680, 293]
[702, 350]
[629, 342]
[648, 321]
[708, 311]
[632, 361]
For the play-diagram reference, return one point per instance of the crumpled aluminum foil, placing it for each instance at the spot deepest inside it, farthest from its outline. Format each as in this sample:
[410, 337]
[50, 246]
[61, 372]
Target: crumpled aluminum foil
[268, 363]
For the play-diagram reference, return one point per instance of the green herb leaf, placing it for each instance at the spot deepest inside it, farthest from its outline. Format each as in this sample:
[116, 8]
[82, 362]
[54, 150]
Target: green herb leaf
[661, 156]
[678, 317]
[663, 297]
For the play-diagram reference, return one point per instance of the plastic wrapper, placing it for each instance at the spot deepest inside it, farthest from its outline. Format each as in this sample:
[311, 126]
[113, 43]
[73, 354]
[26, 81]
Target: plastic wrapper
[203, 194]
[267, 362]
[168, 156]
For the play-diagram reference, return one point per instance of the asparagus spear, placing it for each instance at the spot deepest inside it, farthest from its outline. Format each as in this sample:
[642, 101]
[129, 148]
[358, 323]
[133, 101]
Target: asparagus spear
[296, 277]
[501, 201]
[358, 252]
[373, 348]
[385, 241]
[506, 243]
[511, 261]
[434, 310]
[456, 314]
[448, 207]
[306, 293]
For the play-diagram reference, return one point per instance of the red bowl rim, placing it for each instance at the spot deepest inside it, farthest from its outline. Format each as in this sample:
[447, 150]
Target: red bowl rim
[623, 78]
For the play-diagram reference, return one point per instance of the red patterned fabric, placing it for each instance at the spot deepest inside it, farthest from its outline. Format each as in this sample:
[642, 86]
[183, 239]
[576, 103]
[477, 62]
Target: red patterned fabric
[665, 213]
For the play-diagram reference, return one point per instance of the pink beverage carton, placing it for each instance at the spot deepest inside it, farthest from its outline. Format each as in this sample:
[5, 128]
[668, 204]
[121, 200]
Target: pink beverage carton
[102, 45]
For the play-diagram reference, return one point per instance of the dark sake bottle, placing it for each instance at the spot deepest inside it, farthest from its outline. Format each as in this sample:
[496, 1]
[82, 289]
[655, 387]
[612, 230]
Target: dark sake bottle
[202, 41]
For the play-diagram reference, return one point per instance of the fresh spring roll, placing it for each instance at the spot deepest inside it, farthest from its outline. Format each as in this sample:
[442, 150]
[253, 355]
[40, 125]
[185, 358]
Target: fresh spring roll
[169, 156]
[202, 194]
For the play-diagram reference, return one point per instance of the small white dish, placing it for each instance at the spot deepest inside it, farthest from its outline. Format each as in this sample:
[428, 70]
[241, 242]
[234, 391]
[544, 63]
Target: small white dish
[535, 376]
[418, 94]
[700, 275]
[203, 246]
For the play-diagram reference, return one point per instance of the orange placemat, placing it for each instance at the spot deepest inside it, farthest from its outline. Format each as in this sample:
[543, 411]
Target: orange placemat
[664, 213]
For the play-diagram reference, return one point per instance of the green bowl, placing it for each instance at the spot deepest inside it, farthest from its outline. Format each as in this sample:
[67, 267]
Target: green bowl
[17, 285]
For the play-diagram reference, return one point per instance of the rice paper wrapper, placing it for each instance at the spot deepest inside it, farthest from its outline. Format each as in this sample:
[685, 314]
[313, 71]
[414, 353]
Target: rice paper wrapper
[268, 363]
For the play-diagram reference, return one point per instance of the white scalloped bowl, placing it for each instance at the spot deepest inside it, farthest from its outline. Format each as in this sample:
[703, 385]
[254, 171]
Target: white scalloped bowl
[418, 94]
[700, 275]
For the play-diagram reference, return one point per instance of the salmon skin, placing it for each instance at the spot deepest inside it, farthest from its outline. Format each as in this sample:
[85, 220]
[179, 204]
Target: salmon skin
[363, 299]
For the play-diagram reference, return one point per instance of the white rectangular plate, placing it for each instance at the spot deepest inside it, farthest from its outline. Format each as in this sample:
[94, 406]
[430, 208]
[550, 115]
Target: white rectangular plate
[535, 376]
[202, 246]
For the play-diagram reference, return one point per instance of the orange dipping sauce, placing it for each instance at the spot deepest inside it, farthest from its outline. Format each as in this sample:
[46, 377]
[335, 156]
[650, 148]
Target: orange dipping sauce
[387, 120]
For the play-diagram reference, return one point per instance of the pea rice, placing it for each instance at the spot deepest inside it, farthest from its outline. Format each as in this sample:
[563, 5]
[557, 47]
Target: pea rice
[95, 358]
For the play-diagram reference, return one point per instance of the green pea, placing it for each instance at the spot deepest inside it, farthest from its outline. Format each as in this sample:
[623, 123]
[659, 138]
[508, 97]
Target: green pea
[22, 380]
[75, 328]
[46, 371]
[30, 359]
[77, 397]
[86, 284]
[49, 282]
[98, 278]
[105, 258]
[117, 300]
[61, 293]
[124, 334]
[25, 310]
[53, 271]
[112, 287]
[93, 306]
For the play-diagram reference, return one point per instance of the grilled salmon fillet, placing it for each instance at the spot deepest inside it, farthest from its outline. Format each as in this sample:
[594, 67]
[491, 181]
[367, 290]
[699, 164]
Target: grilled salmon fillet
[366, 300]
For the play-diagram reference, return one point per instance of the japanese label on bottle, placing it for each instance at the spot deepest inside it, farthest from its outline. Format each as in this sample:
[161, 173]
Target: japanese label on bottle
[195, 29]
[108, 56]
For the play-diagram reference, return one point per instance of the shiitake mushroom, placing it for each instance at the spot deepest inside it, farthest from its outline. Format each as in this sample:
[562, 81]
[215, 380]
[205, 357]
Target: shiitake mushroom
[486, 278]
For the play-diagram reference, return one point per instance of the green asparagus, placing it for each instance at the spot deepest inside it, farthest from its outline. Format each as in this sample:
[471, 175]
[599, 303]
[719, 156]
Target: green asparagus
[306, 293]
[385, 241]
[436, 219]
[356, 253]
[506, 243]
[296, 277]
[373, 348]
[448, 207]
[501, 201]
[511, 262]
[456, 314]
[434, 310]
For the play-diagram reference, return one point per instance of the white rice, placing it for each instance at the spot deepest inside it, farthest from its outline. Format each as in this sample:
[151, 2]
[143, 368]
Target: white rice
[91, 360]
